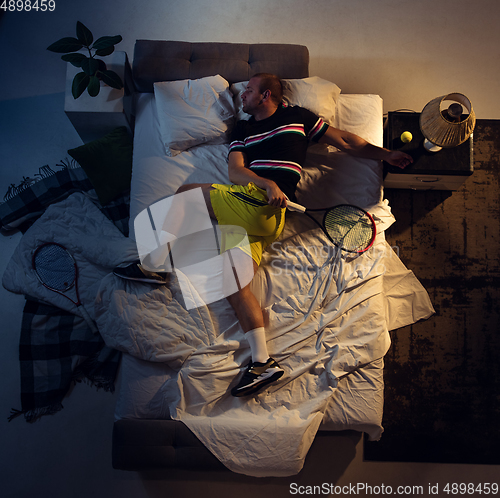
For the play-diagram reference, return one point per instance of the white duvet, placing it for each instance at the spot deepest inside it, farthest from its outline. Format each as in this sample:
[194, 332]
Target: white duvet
[328, 316]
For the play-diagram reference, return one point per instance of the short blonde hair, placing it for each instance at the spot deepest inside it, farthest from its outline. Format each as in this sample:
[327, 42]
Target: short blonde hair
[271, 82]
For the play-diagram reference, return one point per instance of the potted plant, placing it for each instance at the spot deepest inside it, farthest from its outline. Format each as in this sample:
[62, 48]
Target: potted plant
[93, 70]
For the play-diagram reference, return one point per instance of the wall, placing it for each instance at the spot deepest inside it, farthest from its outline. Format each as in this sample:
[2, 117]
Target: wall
[406, 51]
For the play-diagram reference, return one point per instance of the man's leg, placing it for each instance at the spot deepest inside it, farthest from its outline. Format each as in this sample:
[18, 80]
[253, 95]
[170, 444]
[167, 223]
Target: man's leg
[152, 268]
[206, 188]
[244, 303]
[157, 261]
[250, 316]
[263, 369]
[247, 309]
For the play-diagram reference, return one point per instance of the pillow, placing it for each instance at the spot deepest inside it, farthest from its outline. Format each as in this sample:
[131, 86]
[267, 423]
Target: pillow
[193, 112]
[107, 163]
[316, 94]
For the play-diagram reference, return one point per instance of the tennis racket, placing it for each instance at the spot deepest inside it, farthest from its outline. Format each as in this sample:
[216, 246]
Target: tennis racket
[349, 227]
[57, 271]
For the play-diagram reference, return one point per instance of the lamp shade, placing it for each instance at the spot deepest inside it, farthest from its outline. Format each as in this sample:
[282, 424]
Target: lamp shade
[441, 131]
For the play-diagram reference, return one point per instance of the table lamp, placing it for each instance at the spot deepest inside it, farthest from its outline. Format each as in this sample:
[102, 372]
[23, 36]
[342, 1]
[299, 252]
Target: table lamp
[449, 127]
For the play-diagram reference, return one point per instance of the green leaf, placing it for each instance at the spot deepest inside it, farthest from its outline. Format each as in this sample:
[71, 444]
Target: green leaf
[105, 51]
[94, 86]
[65, 45]
[102, 65]
[90, 66]
[111, 79]
[80, 82]
[75, 59]
[106, 42]
[84, 34]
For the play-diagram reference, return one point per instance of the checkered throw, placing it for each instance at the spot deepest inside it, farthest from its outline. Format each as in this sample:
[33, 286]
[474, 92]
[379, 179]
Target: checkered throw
[56, 347]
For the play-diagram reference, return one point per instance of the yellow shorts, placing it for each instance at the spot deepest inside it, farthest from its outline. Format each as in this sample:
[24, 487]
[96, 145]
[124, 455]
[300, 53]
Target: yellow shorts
[246, 206]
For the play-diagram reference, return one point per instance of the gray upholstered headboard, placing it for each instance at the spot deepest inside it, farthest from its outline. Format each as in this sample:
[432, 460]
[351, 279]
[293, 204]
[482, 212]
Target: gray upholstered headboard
[159, 444]
[174, 60]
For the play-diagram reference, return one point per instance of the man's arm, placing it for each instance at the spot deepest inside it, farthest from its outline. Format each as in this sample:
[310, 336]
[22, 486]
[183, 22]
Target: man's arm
[239, 174]
[356, 146]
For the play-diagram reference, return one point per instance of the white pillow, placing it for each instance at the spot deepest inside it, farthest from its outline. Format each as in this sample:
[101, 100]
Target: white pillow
[192, 112]
[316, 94]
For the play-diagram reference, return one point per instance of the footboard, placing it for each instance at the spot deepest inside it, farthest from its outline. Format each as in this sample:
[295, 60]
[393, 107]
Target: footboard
[159, 444]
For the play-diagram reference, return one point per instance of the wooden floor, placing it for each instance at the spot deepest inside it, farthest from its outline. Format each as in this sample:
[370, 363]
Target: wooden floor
[442, 398]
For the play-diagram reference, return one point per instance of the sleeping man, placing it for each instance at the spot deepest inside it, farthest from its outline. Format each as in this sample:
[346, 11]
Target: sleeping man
[266, 155]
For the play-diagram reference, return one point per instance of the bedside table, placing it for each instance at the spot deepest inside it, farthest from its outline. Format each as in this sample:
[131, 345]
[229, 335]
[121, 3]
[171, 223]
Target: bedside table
[94, 117]
[443, 170]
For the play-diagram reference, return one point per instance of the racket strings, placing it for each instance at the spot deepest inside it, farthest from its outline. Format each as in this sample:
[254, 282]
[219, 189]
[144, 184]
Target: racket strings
[55, 267]
[349, 227]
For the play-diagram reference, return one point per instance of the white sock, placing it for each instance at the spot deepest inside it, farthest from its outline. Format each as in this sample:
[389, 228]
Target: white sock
[257, 340]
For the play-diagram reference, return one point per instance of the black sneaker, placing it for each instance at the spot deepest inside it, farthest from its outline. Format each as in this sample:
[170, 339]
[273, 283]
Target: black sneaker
[135, 272]
[257, 376]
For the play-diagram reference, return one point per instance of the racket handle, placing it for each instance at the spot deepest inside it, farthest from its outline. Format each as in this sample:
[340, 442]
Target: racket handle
[89, 320]
[293, 206]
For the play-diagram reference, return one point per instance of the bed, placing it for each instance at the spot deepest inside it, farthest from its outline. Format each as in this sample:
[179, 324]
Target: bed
[330, 335]
[328, 315]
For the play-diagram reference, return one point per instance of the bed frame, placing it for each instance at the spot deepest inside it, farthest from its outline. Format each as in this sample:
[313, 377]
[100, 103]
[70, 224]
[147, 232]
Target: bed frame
[140, 445]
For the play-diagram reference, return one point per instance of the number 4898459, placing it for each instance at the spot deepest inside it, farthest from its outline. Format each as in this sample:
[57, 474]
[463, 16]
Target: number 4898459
[28, 5]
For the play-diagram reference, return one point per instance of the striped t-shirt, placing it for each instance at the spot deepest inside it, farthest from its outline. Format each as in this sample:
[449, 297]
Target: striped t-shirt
[276, 146]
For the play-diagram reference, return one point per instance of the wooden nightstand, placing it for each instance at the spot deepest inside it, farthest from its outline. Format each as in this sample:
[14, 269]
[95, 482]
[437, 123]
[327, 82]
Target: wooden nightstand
[94, 117]
[443, 170]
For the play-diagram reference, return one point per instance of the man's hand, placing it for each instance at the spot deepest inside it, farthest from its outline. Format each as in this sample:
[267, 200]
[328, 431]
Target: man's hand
[359, 147]
[398, 158]
[239, 174]
[275, 197]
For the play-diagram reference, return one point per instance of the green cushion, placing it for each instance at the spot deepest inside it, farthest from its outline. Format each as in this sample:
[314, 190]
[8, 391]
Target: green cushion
[108, 163]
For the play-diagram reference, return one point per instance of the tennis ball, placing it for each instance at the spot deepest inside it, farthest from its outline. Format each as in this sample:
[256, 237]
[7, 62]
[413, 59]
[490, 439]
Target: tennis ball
[406, 137]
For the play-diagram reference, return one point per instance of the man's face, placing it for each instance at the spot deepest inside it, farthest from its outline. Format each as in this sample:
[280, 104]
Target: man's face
[251, 97]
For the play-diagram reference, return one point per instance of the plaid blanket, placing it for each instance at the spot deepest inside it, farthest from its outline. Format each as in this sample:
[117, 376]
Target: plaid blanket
[56, 347]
